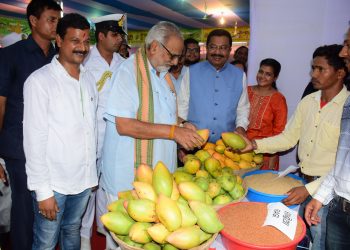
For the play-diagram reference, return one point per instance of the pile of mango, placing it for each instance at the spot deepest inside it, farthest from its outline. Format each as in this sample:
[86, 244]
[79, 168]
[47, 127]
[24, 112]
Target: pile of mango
[224, 151]
[160, 213]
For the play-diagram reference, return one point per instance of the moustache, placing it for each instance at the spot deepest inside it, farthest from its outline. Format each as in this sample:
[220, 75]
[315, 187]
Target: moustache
[83, 52]
[314, 81]
[216, 55]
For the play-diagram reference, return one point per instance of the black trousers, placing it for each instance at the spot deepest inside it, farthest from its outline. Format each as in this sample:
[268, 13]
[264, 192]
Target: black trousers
[22, 206]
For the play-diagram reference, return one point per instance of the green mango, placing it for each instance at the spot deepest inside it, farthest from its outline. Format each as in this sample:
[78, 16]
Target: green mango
[151, 246]
[142, 210]
[138, 232]
[208, 219]
[117, 222]
[222, 199]
[188, 217]
[237, 192]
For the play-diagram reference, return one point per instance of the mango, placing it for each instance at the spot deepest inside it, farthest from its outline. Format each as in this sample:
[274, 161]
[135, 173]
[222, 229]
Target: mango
[144, 173]
[151, 246]
[208, 199]
[168, 213]
[230, 163]
[247, 157]
[182, 177]
[202, 173]
[227, 182]
[117, 206]
[192, 166]
[187, 216]
[209, 145]
[208, 219]
[227, 171]
[233, 140]
[158, 232]
[244, 164]
[202, 155]
[211, 151]
[214, 189]
[220, 142]
[258, 158]
[211, 164]
[203, 236]
[204, 133]
[169, 247]
[128, 241]
[237, 192]
[175, 193]
[220, 149]
[239, 179]
[202, 182]
[117, 222]
[190, 191]
[216, 173]
[162, 180]
[189, 156]
[145, 190]
[219, 157]
[185, 237]
[233, 156]
[142, 210]
[126, 195]
[138, 232]
[222, 199]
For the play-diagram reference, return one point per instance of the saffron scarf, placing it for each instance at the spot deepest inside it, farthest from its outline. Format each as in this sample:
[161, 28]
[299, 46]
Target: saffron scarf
[145, 112]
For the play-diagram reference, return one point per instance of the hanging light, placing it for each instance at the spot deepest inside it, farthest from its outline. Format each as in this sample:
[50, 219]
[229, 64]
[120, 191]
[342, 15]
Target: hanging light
[222, 19]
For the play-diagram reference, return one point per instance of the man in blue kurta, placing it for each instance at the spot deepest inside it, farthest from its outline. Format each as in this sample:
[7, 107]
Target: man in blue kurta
[216, 97]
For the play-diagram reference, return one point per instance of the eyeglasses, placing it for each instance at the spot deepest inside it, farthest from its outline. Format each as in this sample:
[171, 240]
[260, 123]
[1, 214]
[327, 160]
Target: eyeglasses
[172, 56]
[194, 50]
[213, 47]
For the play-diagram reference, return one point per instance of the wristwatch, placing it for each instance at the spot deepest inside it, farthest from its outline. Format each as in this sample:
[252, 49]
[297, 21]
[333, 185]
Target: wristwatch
[181, 125]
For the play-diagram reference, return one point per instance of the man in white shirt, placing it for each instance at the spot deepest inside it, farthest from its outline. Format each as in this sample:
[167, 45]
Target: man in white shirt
[59, 131]
[102, 61]
[335, 188]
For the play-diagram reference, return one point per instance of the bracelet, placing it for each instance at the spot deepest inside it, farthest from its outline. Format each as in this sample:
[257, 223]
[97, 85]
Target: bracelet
[172, 132]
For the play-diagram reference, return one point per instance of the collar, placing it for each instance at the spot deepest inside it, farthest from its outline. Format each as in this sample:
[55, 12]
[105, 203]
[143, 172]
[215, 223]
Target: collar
[154, 71]
[94, 53]
[62, 70]
[338, 99]
[217, 70]
[33, 46]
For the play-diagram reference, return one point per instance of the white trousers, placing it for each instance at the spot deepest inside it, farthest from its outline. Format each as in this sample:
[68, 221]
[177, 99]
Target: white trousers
[110, 243]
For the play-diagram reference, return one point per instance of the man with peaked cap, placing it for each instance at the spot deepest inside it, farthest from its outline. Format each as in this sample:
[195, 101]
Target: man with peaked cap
[102, 61]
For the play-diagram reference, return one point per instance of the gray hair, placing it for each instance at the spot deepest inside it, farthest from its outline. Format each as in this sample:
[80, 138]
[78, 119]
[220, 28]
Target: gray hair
[161, 33]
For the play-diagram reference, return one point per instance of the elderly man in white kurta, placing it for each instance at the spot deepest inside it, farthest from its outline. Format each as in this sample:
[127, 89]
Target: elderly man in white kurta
[133, 137]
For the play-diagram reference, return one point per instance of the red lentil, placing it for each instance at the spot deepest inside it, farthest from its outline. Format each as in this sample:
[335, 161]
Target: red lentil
[244, 222]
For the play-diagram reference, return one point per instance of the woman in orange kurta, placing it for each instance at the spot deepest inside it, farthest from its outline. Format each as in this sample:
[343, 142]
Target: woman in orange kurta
[268, 108]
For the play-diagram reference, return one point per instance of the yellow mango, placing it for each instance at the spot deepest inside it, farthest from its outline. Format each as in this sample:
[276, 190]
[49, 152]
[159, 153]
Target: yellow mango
[162, 180]
[144, 173]
[168, 213]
